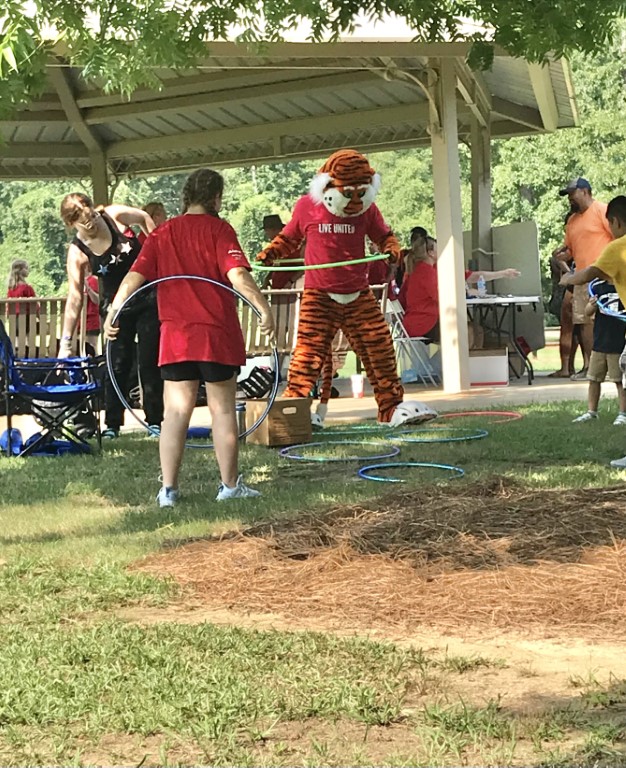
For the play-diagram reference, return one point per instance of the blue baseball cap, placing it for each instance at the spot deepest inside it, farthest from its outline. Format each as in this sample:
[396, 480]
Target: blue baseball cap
[578, 183]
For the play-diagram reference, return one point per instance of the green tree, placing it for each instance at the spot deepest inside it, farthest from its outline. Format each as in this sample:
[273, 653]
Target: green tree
[33, 231]
[121, 44]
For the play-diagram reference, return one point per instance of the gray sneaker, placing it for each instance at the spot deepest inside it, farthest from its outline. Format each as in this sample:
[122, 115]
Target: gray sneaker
[588, 416]
[619, 463]
[240, 491]
[167, 497]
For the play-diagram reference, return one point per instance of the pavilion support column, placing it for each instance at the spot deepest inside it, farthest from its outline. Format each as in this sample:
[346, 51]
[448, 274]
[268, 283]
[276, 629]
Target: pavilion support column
[99, 178]
[482, 242]
[450, 266]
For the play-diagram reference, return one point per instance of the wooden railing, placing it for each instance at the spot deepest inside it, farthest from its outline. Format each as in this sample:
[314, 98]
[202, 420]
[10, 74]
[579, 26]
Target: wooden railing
[35, 325]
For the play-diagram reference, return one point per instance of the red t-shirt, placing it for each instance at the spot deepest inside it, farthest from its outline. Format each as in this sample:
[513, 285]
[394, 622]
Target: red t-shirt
[198, 320]
[331, 238]
[93, 312]
[420, 299]
[23, 291]
[378, 272]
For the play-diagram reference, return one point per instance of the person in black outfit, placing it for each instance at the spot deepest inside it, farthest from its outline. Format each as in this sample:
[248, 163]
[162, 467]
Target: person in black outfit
[105, 242]
[608, 343]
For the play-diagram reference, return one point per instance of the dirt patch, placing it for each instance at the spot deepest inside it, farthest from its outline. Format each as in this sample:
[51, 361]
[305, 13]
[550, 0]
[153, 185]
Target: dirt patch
[501, 556]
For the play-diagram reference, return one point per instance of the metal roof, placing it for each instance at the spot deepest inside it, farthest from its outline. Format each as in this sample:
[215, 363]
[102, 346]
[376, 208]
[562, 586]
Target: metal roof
[291, 101]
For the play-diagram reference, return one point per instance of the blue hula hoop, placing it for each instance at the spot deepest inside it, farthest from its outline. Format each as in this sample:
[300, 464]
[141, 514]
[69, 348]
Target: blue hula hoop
[363, 472]
[147, 286]
[478, 435]
[606, 302]
[285, 452]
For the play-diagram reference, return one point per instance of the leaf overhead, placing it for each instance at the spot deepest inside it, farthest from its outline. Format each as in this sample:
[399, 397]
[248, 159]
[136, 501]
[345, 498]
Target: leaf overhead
[120, 44]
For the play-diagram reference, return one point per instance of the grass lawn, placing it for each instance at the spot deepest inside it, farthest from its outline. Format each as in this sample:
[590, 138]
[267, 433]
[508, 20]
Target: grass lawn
[79, 685]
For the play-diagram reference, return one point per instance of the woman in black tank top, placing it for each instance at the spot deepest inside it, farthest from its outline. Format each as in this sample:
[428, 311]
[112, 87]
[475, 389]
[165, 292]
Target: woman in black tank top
[105, 242]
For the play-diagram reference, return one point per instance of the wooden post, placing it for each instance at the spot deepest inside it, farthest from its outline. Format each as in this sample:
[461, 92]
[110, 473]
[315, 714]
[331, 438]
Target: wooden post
[451, 266]
[482, 243]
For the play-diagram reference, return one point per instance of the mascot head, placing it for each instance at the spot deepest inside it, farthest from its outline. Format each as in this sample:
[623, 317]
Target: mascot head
[346, 184]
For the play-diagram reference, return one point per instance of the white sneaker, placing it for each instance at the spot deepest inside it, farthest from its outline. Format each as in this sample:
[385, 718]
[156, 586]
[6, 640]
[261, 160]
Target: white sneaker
[620, 420]
[240, 491]
[588, 416]
[619, 463]
[167, 497]
[412, 412]
[316, 421]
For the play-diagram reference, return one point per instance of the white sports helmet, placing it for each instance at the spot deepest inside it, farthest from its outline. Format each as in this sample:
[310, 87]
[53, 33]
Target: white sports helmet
[412, 412]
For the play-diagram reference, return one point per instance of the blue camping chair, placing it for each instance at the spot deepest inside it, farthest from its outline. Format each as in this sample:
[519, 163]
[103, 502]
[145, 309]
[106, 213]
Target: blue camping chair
[54, 391]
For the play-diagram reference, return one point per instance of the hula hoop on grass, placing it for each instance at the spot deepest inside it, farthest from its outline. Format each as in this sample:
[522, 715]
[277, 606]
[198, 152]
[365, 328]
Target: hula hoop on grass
[285, 452]
[608, 303]
[512, 415]
[147, 286]
[364, 471]
[478, 435]
[365, 260]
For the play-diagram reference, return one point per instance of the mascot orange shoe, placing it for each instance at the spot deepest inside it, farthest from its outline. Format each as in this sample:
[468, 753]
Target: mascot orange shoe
[334, 218]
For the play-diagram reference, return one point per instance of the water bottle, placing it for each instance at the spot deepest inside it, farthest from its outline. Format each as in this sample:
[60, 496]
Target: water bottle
[482, 287]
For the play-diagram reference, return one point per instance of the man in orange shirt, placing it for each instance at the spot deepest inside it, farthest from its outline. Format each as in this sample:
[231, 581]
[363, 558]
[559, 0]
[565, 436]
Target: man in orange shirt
[587, 233]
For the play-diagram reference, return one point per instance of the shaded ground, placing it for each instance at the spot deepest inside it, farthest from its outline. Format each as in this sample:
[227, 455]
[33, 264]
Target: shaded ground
[448, 557]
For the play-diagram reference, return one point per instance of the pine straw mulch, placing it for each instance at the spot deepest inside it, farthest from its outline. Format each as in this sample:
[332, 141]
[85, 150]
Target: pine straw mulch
[496, 554]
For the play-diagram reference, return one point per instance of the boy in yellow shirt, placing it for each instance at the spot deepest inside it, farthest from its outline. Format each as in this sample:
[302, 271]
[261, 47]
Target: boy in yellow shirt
[610, 266]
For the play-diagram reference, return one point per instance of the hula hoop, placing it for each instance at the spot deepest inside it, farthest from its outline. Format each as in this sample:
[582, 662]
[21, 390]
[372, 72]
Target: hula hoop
[124, 401]
[363, 472]
[606, 302]
[512, 415]
[478, 435]
[285, 452]
[300, 268]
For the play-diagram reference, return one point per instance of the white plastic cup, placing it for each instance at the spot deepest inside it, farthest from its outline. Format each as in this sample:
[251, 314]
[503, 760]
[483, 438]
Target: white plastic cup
[357, 385]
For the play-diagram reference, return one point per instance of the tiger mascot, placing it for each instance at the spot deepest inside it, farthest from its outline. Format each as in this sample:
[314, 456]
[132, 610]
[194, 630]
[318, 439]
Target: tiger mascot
[335, 218]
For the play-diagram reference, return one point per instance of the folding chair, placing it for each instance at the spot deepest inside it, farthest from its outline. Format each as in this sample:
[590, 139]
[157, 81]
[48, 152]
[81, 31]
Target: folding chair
[411, 349]
[27, 380]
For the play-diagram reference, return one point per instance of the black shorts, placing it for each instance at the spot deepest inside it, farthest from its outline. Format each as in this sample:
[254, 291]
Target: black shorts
[199, 371]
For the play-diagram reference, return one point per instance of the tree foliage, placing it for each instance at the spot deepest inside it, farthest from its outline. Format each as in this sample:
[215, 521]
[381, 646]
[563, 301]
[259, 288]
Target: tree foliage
[121, 43]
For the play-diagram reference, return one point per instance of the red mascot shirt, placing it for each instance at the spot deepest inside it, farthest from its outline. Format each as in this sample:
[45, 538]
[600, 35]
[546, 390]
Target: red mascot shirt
[198, 320]
[330, 238]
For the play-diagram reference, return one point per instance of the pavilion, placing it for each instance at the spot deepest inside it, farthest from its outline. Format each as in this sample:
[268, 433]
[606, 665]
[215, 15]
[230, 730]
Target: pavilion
[295, 100]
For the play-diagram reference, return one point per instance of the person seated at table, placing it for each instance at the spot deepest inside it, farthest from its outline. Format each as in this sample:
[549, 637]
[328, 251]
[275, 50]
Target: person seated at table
[417, 233]
[419, 294]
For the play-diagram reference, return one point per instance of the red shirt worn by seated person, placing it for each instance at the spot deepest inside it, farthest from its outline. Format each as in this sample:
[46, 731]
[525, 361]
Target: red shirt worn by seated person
[419, 296]
[199, 321]
[330, 238]
[22, 291]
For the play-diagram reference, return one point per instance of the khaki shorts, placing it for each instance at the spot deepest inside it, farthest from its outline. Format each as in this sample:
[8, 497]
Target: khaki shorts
[622, 365]
[579, 302]
[602, 363]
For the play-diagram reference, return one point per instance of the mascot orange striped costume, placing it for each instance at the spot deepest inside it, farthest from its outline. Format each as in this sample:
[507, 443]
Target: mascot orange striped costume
[335, 218]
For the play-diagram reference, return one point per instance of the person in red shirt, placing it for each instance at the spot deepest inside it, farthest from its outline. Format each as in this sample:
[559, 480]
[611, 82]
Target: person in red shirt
[92, 294]
[17, 287]
[419, 294]
[156, 211]
[201, 338]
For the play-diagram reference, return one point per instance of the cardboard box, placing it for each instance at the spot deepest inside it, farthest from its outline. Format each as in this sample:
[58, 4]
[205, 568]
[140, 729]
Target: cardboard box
[287, 423]
[489, 367]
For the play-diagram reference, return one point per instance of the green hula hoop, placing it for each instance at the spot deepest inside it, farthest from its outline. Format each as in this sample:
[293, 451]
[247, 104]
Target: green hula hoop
[366, 260]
